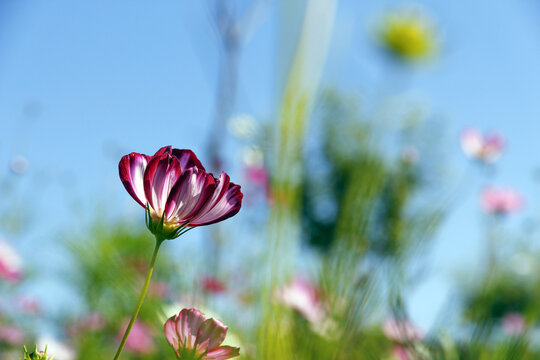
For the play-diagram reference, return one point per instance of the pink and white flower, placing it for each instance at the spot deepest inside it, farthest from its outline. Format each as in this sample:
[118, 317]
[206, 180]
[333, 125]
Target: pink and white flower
[486, 148]
[140, 339]
[177, 191]
[496, 200]
[303, 297]
[399, 353]
[401, 331]
[513, 324]
[11, 334]
[10, 263]
[192, 336]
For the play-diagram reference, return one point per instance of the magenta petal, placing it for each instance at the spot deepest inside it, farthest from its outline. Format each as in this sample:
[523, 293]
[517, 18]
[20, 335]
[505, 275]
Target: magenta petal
[189, 194]
[224, 203]
[211, 334]
[160, 176]
[171, 334]
[188, 323]
[131, 169]
[187, 158]
[222, 353]
[163, 150]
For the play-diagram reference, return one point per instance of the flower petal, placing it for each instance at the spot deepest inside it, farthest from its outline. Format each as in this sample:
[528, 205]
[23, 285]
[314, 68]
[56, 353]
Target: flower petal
[186, 157]
[189, 194]
[188, 323]
[222, 353]
[131, 169]
[160, 176]
[224, 203]
[171, 334]
[211, 334]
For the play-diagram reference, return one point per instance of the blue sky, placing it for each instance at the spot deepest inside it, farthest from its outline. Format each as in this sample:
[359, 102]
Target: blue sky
[116, 77]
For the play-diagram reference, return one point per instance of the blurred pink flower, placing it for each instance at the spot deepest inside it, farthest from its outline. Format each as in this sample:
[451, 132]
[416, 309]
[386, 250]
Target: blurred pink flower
[10, 263]
[513, 324]
[258, 177]
[11, 335]
[29, 304]
[400, 353]
[159, 289]
[177, 191]
[139, 339]
[212, 285]
[482, 147]
[193, 336]
[501, 200]
[88, 323]
[401, 331]
[303, 297]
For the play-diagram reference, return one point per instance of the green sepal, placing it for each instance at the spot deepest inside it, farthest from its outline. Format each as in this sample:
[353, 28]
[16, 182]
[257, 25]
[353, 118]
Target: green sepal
[160, 230]
[36, 355]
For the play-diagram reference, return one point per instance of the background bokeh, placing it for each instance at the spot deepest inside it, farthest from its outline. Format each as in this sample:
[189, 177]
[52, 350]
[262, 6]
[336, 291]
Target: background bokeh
[342, 121]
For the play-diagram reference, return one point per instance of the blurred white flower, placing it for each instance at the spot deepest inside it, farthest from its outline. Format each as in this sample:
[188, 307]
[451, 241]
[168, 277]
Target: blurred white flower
[57, 349]
[243, 126]
[253, 156]
[522, 264]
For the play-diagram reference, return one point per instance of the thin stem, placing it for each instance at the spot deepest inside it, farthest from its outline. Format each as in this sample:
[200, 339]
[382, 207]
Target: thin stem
[141, 299]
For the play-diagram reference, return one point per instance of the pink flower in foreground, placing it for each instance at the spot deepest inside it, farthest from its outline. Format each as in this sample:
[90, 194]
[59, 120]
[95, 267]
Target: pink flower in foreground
[10, 263]
[139, 339]
[303, 297]
[513, 324]
[501, 200]
[401, 331]
[486, 148]
[177, 191]
[192, 336]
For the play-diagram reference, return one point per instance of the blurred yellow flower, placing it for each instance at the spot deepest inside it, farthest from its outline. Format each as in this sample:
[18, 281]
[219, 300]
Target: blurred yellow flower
[408, 35]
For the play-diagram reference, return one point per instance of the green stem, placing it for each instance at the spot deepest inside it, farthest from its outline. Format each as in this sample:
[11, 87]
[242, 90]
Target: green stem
[141, 299]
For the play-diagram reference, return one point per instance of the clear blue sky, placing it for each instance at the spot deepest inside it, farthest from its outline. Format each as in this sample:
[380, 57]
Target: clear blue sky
[116, 77]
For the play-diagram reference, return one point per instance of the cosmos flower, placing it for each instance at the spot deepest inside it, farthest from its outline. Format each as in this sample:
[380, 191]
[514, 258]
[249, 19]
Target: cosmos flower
[501, 201]
[192, 336]
[399, 353]
[10, 263]
[303, 297]
[401, 331]
[212, 285]
[11, 334]
[513, 323]
[140, 340]
[177, 191]
[486, 148]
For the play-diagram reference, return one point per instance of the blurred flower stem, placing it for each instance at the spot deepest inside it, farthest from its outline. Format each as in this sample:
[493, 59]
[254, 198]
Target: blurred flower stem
[295, 110]
[159, 241]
